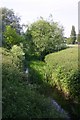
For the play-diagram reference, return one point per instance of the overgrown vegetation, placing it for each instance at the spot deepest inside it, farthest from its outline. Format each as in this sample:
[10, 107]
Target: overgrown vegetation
[28, 95]
[64, 71]
[20, 100]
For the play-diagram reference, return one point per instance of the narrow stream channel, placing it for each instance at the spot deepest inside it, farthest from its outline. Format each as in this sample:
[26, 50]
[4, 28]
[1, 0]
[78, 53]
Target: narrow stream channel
[61, 110]
[69, 106]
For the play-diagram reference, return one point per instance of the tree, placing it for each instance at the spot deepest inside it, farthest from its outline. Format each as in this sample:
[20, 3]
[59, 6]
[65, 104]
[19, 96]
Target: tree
[46, 37]
[9, 18]
[11, 37]
[73, 35]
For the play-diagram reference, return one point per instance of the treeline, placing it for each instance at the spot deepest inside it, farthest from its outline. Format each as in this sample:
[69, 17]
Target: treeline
[73, 39]
[41, 37]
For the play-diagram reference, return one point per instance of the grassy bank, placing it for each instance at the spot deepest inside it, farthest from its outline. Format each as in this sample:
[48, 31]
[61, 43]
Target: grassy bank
[58, 78]
[64, 71]
[20, 97]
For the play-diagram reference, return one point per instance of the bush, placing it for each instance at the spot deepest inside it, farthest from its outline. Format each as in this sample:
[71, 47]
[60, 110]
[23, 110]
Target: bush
[45, 37]
[14, 56]
[18, 55]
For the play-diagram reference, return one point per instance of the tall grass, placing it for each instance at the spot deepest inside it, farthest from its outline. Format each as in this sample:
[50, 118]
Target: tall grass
[64, 73]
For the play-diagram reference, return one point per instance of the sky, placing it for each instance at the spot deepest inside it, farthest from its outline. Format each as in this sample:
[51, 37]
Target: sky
[65, 12]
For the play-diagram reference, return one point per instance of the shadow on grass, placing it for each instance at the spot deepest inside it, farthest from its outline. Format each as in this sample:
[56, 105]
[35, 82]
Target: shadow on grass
[43, 87]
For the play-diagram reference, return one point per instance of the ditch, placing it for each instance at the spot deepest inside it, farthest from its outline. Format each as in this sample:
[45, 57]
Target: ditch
[73, 109]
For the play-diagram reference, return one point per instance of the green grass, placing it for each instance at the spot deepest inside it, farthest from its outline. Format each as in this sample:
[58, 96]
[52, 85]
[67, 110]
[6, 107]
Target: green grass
[64, 71]
[67, 58]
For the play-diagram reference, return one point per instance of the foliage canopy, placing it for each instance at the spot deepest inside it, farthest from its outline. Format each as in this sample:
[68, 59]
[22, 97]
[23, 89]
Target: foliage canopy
[46, 37]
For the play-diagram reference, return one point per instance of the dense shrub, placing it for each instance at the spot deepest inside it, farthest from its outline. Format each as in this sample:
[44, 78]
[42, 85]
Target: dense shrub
[65, 75]
[14, 56]
[18, 55]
